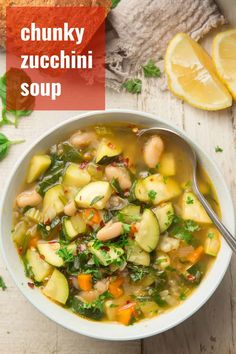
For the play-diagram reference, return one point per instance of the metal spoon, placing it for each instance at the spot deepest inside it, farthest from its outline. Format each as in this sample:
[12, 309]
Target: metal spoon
[230, 239]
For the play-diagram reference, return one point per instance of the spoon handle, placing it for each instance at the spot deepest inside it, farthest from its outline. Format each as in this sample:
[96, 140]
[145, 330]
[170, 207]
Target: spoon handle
[230, 239]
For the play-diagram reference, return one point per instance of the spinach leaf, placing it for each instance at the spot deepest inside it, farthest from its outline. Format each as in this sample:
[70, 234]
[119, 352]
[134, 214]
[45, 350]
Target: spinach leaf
[114, 3]
[10, 95]
[5, 144]
[52, 175]
[70, 154]
[137, 273]
[46, 230]
[94, 310]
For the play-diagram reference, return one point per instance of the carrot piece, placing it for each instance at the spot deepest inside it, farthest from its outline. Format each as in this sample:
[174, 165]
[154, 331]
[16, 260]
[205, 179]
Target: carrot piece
[133, 229]
[195, 255]
[126, 313]
[92, 216]
[85, 281]
[33, 242]
[115, 287]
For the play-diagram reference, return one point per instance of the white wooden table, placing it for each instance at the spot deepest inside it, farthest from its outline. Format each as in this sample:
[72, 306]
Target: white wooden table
[213, 328]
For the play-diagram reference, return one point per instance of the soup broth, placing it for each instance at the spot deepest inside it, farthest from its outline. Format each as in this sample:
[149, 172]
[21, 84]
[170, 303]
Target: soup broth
[107, 224]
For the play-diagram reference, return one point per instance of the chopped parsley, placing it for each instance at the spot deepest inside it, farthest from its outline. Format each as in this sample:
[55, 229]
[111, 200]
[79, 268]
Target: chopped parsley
[183, 229]
[65, 254]
[218, 149]
[152, 195]
[2, 284]
[189, 200]
[210, 235]
[133, 86]
[151, 70]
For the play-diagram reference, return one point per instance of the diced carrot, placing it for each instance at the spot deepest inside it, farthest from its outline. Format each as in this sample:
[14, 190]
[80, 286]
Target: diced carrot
[33, 242]
[115, 287]
[92, 216]
[126, 313]
[85, 281]
[133, 229]
[195, 255]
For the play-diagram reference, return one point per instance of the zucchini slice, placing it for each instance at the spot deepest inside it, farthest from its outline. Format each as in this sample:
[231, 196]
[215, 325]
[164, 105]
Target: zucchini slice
[34, 215]
[95, 194]
[19, 232]
[212, 242]
[54, 199]
[106, 257]
[131, 213]
[37, 166]
[107, 151]
[75, 176]
[191, 209]
[40, 268]
[49, 252]
[167, 164]
[148, 232]
[136, 254]
[162, 188]
[73, 226]
[164, 214]
[57, 287]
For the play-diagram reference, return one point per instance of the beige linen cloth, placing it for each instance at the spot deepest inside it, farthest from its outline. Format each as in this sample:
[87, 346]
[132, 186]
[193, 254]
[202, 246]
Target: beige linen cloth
[141, 29]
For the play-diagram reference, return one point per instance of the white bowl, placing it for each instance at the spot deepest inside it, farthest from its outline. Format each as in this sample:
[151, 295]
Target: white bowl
[103, 330]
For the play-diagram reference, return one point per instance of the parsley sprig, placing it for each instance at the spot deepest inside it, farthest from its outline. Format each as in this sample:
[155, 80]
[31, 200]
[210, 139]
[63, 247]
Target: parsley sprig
[151, 70]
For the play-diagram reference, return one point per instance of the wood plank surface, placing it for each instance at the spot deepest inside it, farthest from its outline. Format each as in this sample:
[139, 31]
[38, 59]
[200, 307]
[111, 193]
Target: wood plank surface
[23, 330]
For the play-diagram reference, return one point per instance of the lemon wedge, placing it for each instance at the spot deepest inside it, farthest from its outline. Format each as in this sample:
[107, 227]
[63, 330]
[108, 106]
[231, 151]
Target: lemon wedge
[224, 57]
[192, 75]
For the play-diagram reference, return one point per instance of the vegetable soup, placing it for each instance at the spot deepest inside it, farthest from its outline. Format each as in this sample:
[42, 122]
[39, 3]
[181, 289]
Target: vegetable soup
[107, 224]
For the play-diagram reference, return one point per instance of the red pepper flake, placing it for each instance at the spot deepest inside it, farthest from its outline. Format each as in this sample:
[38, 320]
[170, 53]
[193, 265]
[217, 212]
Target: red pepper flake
[47, 222]
[105, 248]
[31, 285]
[83, 165]
[98, 168]
[110, 145]
[126, 162]
[133, 229]
[52, 242]
[191, 277]
[20, 249]
[42, 257]
[102, 223]
[126, 193]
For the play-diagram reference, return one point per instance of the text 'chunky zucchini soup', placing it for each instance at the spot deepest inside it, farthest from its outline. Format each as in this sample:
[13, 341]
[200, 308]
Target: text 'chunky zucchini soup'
[107, 224]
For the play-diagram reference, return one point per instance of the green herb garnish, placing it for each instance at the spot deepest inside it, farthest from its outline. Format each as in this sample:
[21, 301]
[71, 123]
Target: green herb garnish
[152, 195]
[5, 144]
[151, 70]
[65, 254]
[218, 149]
[2, 284]
[133, 86]
[189, 200]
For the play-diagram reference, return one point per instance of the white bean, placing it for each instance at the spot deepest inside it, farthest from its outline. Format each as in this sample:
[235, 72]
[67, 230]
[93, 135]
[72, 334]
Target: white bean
[70, 208]
[152, 151]
[168, 244]
[109, 231]
[81, 139]
[119, 173]
[28, 198]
